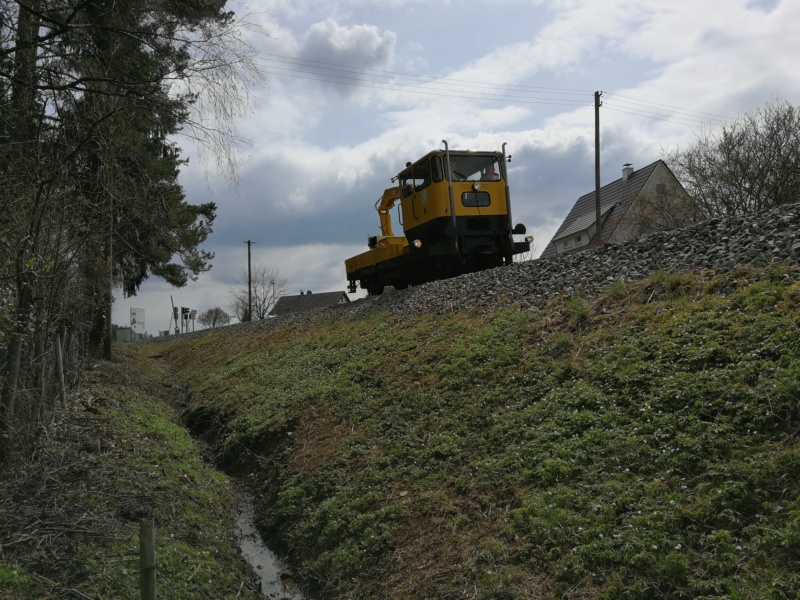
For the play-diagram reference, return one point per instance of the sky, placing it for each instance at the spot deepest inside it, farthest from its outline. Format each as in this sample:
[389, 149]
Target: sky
[354, 89]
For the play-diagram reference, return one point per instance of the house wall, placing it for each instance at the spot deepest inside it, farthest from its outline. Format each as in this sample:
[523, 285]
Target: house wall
[575, 241]
[662, 204]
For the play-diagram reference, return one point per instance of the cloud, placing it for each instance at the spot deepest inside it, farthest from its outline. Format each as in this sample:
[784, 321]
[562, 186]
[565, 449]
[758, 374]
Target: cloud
[343, 55]
[356, 45]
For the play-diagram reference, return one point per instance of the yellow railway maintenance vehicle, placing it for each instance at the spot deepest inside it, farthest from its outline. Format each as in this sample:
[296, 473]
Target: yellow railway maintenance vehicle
[455, 211]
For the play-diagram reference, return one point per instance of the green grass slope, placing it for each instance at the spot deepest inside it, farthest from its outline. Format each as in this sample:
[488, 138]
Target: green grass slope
[643, 444]
[69, 517]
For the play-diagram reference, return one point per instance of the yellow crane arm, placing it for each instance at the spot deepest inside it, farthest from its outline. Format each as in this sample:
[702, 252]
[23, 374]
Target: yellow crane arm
[384, 205]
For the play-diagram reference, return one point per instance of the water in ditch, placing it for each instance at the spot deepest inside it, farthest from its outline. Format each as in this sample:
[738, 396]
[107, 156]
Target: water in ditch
[275, 579]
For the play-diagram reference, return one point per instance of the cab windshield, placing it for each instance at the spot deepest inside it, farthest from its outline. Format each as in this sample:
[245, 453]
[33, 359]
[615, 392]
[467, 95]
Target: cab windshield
[474, 168]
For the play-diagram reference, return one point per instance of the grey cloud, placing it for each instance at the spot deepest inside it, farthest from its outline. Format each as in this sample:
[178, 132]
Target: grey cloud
[358, 46]
[333, 214]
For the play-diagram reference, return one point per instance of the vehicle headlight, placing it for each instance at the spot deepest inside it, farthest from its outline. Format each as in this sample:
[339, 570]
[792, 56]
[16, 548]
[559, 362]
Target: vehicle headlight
[417, 243]
[476, 186]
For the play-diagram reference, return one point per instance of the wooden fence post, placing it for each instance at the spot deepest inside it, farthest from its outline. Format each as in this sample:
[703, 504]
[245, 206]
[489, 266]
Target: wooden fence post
[147, 559]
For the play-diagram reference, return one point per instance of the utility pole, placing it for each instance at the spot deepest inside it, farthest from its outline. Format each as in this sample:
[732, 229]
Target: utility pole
[249, 284]
[174, 315]
[597, 105]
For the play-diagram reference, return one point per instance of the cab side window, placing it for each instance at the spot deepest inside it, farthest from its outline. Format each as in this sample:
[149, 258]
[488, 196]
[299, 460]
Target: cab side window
[407, 186]
[422, 175]
[436, 167]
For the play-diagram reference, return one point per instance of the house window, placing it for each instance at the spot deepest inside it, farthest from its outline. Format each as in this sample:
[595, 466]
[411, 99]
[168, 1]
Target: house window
[578, 239]
[567, 244]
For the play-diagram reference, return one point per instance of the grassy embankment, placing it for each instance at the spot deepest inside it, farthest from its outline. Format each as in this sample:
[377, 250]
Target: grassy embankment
[643, 445]
[69, 518]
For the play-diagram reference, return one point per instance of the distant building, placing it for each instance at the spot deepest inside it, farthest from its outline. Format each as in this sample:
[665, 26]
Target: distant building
[640, 202]
[307, 301]
[126, 334]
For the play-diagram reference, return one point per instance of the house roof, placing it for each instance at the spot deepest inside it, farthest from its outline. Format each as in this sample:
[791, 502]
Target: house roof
[615, 199]
[307, 301]
[583, 222]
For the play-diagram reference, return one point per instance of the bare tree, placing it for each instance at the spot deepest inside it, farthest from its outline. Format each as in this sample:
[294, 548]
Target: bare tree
[214, 317]
[266, 286]
[751, 165]
[670, 208]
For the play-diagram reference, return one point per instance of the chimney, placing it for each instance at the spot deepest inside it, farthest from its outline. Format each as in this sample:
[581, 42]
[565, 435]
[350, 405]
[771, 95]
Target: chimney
[308, 293]
[301, 292]
[627, 171]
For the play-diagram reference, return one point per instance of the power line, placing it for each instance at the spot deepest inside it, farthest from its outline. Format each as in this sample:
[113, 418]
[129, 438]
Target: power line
[394, 81]
[430, 91]
[663, 117]
[394, 75]
[647, 103]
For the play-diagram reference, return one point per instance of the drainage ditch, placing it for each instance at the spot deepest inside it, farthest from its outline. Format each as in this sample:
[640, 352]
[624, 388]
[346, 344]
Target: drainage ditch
[274, 577]
[276, 580]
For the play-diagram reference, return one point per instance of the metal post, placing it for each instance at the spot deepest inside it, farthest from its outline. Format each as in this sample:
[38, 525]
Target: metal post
[174, 315]
[597, 104]
[451, 196]
[249, 284]
[147, 559]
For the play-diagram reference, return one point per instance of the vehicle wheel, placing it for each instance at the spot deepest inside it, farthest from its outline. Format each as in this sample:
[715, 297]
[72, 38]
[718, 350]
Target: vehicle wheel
[374, 289]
